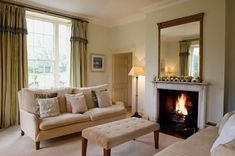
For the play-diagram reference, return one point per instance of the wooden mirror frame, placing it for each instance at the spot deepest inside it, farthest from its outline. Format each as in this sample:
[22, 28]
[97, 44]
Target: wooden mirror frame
[180, 21]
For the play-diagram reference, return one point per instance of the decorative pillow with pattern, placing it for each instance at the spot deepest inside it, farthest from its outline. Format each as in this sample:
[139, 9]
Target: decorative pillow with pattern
[48, 107]
[94, 97]
[76, 103]
[104, 99]
[43, 96]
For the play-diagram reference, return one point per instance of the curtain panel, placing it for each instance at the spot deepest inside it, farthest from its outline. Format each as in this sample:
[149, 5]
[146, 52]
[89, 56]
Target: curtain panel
[13, 61]
[78, 61]
[184, 58]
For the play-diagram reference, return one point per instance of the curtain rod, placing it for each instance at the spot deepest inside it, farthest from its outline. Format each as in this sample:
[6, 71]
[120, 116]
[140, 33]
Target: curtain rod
[30, 7]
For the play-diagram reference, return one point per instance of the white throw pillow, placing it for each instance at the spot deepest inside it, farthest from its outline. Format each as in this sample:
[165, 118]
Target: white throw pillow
[48, 107]
[224, 120]
[227, 134]
[68, 103]
[77, 102]
[104, 99]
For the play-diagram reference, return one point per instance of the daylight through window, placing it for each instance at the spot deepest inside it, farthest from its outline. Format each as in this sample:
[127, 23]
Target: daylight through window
[48, 51]
[194, 60]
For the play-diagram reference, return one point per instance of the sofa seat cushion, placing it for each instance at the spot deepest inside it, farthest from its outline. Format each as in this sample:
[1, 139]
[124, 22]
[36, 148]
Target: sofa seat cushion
[106, 112]
[198, 144]
[62, 120]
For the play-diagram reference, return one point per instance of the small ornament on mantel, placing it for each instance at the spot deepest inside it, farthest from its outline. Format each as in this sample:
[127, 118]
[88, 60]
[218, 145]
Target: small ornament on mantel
[179, 79]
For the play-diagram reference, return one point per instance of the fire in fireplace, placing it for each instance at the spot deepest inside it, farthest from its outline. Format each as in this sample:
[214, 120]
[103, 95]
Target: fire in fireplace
[178, 112]
[181, 105]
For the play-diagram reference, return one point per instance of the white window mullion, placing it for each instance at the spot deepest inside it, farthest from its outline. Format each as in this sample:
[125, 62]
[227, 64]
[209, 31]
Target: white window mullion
[56, 54]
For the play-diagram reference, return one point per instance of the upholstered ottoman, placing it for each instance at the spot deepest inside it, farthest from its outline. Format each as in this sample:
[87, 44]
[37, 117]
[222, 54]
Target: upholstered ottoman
[115, 133]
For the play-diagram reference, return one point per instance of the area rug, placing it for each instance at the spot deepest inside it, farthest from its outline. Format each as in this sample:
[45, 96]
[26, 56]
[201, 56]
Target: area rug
[12, 144]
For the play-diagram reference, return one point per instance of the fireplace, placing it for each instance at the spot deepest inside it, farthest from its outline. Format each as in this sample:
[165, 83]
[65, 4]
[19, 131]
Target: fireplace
[178, 112]
[192, 90]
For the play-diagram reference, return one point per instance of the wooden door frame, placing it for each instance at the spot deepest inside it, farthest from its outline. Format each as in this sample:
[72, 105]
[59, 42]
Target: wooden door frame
[124, 51]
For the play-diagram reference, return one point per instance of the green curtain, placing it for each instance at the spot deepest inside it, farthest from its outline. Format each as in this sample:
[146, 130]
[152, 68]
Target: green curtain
[184, 58]
[78, 61]
[13, 61]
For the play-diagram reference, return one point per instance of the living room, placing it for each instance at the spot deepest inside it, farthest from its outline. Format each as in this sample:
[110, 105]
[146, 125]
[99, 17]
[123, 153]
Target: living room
[107, 31]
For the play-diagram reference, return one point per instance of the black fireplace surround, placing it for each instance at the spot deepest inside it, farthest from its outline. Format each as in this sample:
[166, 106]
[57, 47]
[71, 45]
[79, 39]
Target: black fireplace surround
[173, 122]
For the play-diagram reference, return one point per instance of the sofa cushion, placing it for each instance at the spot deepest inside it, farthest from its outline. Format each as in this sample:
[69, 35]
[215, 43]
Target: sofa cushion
[43, 96]
[78, 104]
[62, 120]
[49, 107]
[61, 97]
[198, 144]
[87, 91]
[29, 103]
[77, 100]
[106, 112]
[224, 120]
[227, 149]
[227, 134]
[104, 99]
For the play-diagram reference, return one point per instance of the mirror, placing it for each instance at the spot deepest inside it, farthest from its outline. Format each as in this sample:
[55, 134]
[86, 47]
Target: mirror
[180, 47]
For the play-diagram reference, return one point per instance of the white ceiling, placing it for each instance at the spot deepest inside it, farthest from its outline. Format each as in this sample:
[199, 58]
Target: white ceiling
[105, 12]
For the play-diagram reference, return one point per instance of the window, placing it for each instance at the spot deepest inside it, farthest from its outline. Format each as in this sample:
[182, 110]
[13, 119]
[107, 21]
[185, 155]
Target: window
[48, 51]
[194, 60]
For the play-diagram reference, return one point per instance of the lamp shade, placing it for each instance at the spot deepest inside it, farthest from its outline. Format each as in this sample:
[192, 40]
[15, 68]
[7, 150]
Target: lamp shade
[136, 71]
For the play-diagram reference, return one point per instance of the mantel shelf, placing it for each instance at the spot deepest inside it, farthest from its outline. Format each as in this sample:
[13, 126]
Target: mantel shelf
[183, 83]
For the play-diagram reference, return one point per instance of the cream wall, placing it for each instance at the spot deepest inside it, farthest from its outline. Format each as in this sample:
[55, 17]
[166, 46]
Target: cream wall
[230, 63]
[98, 43]
[214, 50]
[141, 38]
[131, 38]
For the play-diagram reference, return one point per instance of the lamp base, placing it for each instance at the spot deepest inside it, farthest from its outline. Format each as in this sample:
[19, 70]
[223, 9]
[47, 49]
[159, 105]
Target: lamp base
[136, 115]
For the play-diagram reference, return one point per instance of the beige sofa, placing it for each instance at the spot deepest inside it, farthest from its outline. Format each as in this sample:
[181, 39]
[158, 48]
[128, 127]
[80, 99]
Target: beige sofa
[200, 144]
[66, 123]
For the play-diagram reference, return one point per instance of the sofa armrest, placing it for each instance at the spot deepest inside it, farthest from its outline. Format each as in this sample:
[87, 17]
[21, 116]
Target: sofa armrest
[227, 149]
[29, 123]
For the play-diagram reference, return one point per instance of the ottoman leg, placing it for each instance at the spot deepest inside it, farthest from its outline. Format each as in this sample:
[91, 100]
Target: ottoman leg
[22, 133]
[84, 146]
[107, 152]
[156, 139]
[37, 145]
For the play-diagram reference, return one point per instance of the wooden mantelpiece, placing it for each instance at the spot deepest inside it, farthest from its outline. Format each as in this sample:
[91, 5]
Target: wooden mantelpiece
[201, 88]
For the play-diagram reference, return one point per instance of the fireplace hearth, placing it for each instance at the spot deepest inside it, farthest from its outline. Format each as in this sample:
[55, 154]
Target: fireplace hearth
[178, 112]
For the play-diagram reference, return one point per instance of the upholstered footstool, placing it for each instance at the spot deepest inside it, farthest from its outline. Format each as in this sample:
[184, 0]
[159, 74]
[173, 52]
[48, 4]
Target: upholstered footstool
[115, 133]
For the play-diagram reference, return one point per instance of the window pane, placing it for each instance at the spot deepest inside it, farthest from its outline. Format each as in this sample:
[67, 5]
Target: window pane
[39, 71]
[48, 28]
[195, 62]
[48, 53]
[64, 52]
